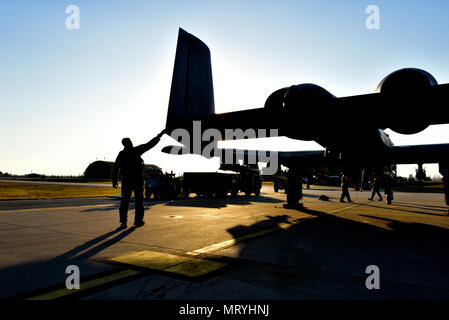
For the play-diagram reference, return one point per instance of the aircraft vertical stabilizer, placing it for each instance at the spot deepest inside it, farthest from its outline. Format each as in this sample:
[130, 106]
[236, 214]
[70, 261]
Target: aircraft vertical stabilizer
[192, 93]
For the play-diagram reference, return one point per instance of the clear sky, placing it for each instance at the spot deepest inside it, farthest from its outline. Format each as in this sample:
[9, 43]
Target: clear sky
[67, 97]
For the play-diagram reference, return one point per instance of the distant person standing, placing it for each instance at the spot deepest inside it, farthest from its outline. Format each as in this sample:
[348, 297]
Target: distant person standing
[131, 166]
[376, 187]
[345, 188]
[308, 179]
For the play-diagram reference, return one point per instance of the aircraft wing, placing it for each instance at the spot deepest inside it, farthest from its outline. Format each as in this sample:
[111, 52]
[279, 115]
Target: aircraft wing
[305, 157]
[411, 154]
[428, 153]
[286, 158]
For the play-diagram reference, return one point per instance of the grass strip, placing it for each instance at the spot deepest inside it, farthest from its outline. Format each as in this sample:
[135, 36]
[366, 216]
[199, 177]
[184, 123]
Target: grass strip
[9, 191]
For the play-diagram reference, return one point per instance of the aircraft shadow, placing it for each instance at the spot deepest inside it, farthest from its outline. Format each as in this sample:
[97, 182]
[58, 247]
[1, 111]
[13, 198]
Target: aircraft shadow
[222, 202]
[422, 206]
[326, 258]
[404, 210]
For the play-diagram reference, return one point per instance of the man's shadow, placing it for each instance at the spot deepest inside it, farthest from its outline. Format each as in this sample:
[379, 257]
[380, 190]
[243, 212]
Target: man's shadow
[28, 277]
[73, 255]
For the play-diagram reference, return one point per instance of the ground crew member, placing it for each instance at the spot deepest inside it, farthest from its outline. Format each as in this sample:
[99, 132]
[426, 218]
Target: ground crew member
[376, 187]
[344, 188]
[388, 187]
[131, 166]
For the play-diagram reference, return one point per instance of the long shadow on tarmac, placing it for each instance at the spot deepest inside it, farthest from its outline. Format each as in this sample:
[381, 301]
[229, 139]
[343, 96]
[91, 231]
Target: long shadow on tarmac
[394, 207]
[202, 202]
[326, 257]
[221, 202]
[269, 222]
[314, 196]
[147, 205]
[422, 206]
[35, 275]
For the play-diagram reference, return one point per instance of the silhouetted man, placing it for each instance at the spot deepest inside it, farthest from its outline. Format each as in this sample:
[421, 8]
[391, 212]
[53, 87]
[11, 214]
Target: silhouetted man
[376, 187]
[344, 188]
[131, 168]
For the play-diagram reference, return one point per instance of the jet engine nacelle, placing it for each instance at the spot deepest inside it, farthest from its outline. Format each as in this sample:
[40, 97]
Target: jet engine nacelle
[300, 106]
[295, 99]
[400, 84]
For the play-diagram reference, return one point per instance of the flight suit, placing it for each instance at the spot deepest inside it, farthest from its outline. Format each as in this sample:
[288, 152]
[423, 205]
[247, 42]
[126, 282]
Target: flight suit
[345, 189]
[376, 188]
[131, 167]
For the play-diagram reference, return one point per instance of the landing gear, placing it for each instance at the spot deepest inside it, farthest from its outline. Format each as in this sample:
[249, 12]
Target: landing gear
[388, 189]
[444, 170]
[294, 188]
[389, 196]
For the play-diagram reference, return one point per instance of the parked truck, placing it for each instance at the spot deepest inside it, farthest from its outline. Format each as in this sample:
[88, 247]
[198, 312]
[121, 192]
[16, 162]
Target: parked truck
[210, 184]
[163, 186]
[219, 184]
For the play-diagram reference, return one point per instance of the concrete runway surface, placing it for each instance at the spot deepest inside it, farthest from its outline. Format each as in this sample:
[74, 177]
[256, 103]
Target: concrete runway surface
[231, 248]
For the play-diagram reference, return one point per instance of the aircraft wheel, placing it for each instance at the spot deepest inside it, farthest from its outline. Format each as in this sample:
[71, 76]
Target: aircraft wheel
[292, 199]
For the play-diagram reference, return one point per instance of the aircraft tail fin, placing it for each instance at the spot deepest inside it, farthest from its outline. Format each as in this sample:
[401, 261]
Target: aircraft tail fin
[192, 93]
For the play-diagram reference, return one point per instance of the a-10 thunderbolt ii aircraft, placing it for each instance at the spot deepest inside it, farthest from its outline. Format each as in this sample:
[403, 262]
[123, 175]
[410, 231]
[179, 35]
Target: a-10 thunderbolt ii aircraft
[407, 101]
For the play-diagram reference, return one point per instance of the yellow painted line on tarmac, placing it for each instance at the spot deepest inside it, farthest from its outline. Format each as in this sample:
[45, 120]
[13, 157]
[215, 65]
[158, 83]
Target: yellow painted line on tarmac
[150, 259]
[230, 243]
[58, 208]
[170, 263]
[346, 208]
[185, 266]
[59, 293]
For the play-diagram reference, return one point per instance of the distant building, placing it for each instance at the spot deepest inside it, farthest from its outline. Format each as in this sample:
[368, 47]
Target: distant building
[103, 169]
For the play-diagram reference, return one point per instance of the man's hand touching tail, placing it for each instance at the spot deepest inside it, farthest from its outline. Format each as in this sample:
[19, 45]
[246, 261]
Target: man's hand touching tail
[157, 138]
[161, 133]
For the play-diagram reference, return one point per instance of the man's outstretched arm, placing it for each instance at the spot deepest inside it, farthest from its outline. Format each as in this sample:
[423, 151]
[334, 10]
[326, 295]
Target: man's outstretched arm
[150, 144]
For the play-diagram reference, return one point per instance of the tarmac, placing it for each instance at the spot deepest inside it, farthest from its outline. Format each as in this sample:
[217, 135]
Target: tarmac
[244, 248]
